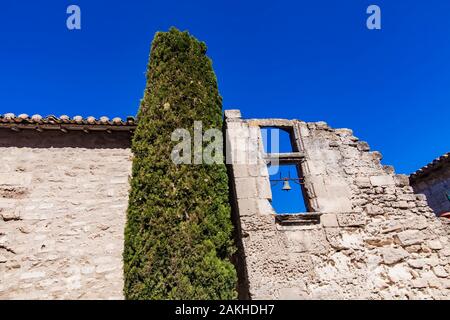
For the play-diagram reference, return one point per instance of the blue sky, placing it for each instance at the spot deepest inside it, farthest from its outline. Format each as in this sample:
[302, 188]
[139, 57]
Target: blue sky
[310, 60]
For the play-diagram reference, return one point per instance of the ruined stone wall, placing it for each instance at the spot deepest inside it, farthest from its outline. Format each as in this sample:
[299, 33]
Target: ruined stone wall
[63, 198]
[435, 187]
[374, 238]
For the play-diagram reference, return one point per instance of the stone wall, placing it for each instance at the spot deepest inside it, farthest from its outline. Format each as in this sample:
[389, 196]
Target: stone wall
[435, 187]
[368, 236]
[63, 198]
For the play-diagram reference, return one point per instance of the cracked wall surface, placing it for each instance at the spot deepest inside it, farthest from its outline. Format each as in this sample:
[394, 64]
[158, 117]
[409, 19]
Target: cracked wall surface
[63, 199]
[375, 238]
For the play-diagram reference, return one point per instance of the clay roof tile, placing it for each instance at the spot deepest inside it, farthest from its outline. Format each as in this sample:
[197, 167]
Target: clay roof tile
[24, 121]
[433, 165]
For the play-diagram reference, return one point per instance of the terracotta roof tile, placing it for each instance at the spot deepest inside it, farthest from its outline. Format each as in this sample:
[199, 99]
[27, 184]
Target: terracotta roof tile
[24, 121]
[435, 164]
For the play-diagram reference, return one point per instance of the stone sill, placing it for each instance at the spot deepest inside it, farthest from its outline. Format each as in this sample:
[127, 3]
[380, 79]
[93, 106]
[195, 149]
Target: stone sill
[313, 220]
[298, 219]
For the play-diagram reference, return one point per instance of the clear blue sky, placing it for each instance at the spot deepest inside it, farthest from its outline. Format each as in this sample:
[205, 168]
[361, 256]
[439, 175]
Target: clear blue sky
[311, 60]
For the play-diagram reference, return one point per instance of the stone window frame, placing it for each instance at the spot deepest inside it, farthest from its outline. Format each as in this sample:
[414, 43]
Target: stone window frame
[297, 158]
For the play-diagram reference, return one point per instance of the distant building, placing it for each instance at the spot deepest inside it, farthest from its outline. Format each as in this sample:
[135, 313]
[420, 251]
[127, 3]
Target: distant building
[433, 180]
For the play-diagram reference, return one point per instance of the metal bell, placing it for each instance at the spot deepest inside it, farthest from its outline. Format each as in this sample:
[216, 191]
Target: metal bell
[286, 186]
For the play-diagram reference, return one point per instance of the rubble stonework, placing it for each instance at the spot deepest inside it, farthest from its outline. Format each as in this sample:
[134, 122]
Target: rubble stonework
[375, 239]
[63, 200]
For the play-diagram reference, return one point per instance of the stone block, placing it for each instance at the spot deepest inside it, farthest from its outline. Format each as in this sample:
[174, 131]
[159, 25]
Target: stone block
[264, 188]
[434, 244]
[417, 263]
[351, 219]
[421, 197]
[380, 181]
[304, 131]
[401, 180]
[399, 273]
[247, 207]
[435, 283]
[264, 207]
[232, 114]
[9, 215]
[237, 157]
[240, 171]
[344, 132]
[297, 241]
[16, 179]
[363, 182]
[407, 197]
[257, 170]
[363, 146]
[432, 261]
[409, 237]
[446, 283]
[246, 188]
[334, 204]
[333, 235]
[403, 204]
[419, 283]
[374, 210]
[376, 155]
[332, 194]
[329, 220]
[445, 252]
[440, 272]
[389, 170]
[393, 255]
[334, 144]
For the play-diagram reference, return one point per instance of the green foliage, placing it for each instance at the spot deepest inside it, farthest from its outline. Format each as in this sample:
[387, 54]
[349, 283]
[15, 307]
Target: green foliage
[178, 239]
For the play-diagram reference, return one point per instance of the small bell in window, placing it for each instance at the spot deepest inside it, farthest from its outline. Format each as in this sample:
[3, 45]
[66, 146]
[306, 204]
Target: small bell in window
[286, 186]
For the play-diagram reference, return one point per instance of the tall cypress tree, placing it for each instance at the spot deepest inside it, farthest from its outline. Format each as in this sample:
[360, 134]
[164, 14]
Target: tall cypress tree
[178, 237]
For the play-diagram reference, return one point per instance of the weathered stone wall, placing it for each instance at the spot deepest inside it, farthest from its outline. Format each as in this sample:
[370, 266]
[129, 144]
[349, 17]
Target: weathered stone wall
[435, 187]
[375, 239]
[63, 198]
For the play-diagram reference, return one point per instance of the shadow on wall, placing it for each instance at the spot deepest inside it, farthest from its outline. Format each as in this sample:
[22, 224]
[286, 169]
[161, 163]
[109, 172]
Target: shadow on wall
[59, 139]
